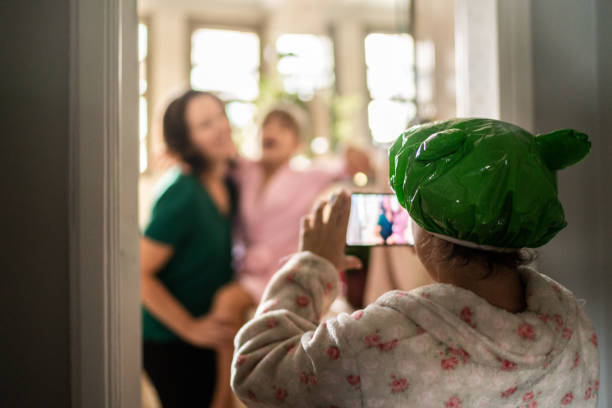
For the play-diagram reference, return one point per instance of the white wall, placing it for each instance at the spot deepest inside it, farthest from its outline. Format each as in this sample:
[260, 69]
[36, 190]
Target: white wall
[435, 24]
[550, 66]
[572, 43]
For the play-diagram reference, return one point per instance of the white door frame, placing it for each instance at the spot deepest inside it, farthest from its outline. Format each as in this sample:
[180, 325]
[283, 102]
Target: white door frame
[494, 75]
[104, 274]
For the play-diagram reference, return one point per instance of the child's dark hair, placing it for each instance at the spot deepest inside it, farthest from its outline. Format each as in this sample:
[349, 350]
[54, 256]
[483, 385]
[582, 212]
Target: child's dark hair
[176, 133]
[284, 118]
[460, 255]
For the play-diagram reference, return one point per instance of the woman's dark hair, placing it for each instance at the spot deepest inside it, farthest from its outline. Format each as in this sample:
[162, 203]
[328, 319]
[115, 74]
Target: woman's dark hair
[284, 118]
[176, 133]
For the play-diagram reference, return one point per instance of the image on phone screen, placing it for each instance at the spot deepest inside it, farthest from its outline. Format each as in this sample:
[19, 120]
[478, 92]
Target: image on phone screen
[378, 219]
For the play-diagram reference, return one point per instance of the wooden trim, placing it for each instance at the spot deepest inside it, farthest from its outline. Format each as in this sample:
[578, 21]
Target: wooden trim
[477, 58]
[195, 23]
[494, 61]
[105, 301]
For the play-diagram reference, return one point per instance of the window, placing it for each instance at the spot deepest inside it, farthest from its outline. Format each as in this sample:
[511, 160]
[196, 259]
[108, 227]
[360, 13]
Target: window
[305, 64]
[143, 99]
[306, 68]
[227, 63]
[391, 84]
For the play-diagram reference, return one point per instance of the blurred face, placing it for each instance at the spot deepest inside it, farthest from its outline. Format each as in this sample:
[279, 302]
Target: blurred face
[209, 128]
[279, 143]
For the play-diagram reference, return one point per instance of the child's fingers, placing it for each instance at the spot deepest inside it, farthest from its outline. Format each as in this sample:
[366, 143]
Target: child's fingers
[306, 223]
[346, 211]
[318, 218]
[340, 208]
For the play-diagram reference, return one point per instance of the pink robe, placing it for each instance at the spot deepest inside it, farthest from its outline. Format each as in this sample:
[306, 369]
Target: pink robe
[270, 218]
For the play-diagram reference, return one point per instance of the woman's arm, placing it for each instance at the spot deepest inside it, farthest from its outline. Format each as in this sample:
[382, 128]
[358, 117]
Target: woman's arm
[204, 331]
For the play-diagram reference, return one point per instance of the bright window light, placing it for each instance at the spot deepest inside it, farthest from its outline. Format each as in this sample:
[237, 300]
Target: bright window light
[299, 162]
[360, 179]
[143, 112]
[306, 63]
[226, 62]
[143, 105]
[143, 41]
[388, 119]
[240, 114]
[319, 145]
[391, 84]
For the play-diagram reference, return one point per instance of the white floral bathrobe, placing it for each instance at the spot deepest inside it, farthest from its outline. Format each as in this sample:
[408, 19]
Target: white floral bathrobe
[436, 346]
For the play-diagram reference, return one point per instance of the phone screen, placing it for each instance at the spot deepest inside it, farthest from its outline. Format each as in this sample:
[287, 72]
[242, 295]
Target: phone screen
[378, 219]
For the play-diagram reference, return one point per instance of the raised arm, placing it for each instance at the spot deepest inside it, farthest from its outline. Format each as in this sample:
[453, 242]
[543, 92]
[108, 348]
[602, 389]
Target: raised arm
[283, 355]
[354, 161]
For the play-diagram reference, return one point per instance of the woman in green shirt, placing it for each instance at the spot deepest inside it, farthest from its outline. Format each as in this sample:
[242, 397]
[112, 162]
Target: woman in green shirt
[186, 254]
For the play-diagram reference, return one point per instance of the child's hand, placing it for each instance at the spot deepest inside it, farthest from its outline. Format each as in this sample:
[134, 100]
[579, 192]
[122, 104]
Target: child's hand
[326, 236]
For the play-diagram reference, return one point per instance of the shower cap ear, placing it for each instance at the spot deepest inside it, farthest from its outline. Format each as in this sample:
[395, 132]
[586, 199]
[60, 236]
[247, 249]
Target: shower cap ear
[482, 181]
[440, 144]
[562, 148]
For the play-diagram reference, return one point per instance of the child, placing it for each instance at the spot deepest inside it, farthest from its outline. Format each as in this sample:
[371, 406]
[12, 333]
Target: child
[490, 333]
[274, 197]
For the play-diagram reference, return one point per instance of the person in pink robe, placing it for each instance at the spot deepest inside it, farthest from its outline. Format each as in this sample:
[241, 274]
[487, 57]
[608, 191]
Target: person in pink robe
[274, 197]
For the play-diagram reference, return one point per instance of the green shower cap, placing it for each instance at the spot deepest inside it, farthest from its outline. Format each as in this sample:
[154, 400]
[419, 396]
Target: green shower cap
[484, 182]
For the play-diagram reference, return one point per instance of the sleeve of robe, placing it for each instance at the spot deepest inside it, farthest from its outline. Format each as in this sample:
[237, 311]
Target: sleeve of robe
[284, 356]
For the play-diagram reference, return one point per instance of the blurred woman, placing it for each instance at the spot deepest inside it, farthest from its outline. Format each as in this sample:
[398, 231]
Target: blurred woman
[186, 254]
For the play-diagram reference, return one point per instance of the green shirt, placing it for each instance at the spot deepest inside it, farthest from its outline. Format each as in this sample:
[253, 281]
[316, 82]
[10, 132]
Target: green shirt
[185, 217]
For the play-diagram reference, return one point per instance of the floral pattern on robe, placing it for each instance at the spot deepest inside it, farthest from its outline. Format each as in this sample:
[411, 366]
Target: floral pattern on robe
[436, 346]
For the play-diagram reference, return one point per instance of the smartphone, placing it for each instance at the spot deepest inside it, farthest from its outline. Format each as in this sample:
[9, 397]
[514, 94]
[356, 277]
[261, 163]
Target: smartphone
[378, 219]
